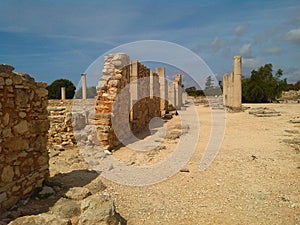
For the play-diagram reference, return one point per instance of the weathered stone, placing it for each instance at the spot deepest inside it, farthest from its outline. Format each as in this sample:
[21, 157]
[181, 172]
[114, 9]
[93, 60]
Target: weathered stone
[6, 132]
[16, 144]
[3, 197]
[17, 79]
[98, 209]
[114, 83]
[78, 193]
[232, 86]
[7, 174]
[46, 192]
[2, 81]
[6, 119]
[21, 109]
[41, 92]
[21, 98]
[21, 127]
[295, 120]
[6, 68]
[66, 208]
[79, 121]
[8, 81]
[44, 219]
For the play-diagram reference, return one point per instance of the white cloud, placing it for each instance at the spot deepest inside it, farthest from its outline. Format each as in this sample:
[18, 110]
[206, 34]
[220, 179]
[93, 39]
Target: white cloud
[253, 63]
[275, 50]
[238, 30]
[217, 44]
[245, 51]
[293, 36]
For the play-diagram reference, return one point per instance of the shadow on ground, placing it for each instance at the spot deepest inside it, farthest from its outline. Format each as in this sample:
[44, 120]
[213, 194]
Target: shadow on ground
[61, 183]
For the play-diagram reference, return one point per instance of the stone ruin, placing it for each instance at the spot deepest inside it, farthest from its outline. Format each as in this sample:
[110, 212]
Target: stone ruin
[232, 86]
[129, 96]
[125, 85]
[23, 135]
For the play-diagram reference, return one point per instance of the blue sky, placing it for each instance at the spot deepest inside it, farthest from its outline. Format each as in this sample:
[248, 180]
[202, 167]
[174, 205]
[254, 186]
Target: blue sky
[61, 38]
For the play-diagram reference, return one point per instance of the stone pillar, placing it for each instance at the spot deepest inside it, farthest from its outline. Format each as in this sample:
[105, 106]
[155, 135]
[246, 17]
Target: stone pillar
[178, 87]
[163, 91]
[225, 89]
[133, 90]
[172, 96]
[237, 82]
[230, 89]
[83, 85]
[63, 93]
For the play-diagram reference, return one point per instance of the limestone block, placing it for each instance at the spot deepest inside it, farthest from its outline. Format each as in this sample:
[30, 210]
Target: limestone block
[114, 83]
[98, 209]
[21, 98]
[42, 160]
[16, 143]
[44, 218]
[17, 79]
[66, 208]
[78, 193]
[2, 81]
[22, 115]
[3, 197]
[41, 92]
[6, 68]
[21, 128]
[8, 81]
[7, 132]
[6, 119]
[7, 174]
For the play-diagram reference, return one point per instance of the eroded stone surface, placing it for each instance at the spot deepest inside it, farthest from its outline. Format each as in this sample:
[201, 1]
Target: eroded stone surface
[23, 121]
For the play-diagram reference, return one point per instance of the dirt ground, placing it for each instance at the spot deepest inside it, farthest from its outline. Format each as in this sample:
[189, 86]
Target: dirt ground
[254, 179]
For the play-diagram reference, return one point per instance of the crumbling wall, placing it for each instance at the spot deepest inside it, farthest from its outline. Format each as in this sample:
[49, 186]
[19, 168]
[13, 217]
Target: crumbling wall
[23, 135]
[116, 75]
[124, 100]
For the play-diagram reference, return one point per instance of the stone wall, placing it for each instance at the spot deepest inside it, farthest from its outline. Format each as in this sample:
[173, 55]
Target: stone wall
[23, 135]
[128, 98]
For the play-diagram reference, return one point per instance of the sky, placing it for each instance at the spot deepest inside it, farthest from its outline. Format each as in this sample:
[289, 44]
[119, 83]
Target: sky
[52, 39]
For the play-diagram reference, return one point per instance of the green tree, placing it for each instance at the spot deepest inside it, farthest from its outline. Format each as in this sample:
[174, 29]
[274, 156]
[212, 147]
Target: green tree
[54, 89]
[90, 92]
[192, 91]
[209, 84]
[262, 86]
[295, 86]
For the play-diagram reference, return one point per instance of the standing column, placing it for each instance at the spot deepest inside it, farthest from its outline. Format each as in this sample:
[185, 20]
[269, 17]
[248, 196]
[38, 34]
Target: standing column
[225, 89]
[230, 89]
[134, 90]
[237, 82]
[83, 83]
[178, 91]
[163, 91]
[63, 93]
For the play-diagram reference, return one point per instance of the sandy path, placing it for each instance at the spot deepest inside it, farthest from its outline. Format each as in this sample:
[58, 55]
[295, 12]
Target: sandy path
[235, 189]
